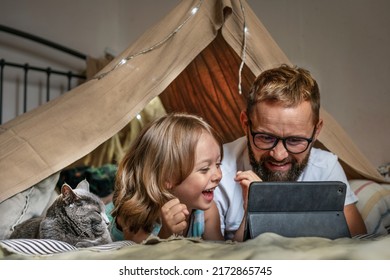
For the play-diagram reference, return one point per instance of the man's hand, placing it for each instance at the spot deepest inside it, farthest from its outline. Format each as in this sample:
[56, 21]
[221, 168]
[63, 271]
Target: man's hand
[245, 178]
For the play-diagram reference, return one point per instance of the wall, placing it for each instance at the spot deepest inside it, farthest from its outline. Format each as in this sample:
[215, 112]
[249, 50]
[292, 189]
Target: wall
[88, 26]
[343, 43]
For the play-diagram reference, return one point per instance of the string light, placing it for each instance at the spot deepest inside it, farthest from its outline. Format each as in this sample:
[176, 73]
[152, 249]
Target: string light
[192, 13]
[243, 54]
[124, 60]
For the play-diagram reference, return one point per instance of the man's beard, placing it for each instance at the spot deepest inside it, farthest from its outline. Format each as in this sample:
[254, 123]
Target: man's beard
[267, 175]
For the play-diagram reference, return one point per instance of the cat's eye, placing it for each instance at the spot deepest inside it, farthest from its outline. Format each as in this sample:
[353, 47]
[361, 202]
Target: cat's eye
[96, 217]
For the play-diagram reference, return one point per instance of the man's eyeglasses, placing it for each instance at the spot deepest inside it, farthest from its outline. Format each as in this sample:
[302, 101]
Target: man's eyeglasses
[293, 144]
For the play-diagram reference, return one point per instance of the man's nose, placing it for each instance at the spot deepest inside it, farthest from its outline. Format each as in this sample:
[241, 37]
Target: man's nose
[279, 152]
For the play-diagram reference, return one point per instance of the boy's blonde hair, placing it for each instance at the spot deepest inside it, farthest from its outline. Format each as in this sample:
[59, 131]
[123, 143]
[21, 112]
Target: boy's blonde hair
[163, 153]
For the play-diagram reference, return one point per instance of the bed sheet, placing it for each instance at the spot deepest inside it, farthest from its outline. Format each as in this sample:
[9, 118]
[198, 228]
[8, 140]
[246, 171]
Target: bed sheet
[266, 246]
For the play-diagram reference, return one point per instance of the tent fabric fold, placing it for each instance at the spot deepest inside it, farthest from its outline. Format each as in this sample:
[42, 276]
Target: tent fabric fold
[45, 140]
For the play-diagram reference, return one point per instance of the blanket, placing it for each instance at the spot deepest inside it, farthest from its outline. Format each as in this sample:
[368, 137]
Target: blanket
[267, 246]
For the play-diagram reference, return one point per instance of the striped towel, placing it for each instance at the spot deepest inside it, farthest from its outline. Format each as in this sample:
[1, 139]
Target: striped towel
[39, 247]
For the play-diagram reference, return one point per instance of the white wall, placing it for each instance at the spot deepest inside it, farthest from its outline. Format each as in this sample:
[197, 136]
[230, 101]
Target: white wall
[344, 43]
[88, 26]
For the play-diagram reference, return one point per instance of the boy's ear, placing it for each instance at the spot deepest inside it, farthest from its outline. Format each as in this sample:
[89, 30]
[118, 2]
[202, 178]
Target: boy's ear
[168, 185]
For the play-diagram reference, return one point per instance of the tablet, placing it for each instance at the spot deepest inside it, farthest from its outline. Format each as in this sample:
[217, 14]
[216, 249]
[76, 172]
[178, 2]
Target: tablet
[297, 209]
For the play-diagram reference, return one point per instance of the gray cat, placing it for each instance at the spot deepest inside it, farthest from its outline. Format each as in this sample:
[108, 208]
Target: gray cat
[76, 217]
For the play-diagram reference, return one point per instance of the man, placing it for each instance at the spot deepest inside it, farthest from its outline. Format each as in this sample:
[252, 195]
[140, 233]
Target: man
[281, 123]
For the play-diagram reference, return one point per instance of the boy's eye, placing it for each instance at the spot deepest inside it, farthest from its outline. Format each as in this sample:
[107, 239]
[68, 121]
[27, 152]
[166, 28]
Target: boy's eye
[205, 170]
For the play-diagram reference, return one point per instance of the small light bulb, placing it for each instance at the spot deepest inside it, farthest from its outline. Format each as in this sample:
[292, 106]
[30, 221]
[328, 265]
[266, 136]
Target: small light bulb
[138, 116]
[194, 10]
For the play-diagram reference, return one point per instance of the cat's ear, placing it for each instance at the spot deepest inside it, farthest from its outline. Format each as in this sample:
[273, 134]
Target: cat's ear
[68, 194]
[83, 185]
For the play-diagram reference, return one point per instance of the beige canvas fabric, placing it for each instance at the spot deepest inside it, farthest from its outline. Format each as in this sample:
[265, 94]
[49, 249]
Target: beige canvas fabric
[45, 140]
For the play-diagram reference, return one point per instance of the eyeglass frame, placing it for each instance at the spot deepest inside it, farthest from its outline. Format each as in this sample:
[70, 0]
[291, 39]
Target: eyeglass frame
[284, 139]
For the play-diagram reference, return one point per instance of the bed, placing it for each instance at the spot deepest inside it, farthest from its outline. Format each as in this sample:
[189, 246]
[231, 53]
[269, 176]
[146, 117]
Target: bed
[46, 72]
[267, 246]
[374, 205]
[208, 76]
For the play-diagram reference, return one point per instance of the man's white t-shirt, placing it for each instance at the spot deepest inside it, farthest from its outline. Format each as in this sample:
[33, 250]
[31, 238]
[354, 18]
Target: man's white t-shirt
[322, 166]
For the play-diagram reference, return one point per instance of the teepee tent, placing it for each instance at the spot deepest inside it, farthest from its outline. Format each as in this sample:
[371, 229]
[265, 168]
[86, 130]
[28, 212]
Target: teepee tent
[201, 58]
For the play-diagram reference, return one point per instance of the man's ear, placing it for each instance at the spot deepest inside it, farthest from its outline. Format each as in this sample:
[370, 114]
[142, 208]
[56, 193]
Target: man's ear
[318, 128]
[244, 121]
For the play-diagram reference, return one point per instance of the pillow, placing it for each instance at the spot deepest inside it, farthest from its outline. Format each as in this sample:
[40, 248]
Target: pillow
[27, 204]
[373, 204]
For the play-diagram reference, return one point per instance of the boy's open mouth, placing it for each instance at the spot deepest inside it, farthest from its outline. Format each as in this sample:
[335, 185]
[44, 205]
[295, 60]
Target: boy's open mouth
[209, 194]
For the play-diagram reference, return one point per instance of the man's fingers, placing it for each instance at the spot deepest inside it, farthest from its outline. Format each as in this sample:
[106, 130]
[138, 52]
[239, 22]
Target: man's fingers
[247, 175]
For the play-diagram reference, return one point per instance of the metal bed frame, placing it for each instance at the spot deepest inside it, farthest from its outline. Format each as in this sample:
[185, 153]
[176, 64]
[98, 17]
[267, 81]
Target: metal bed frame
[26, 68]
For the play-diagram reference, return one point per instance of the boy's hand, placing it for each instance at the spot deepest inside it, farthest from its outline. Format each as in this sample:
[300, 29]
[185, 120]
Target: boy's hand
[173, 215]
